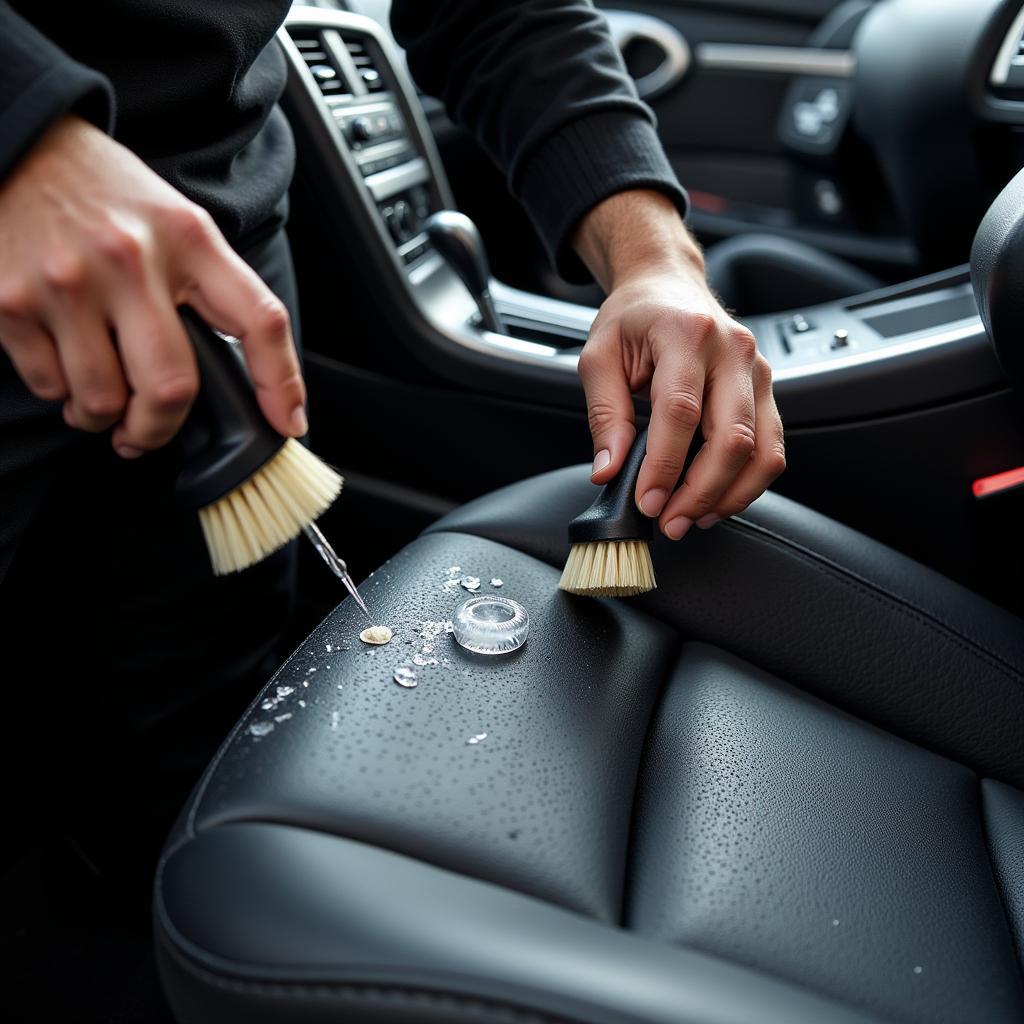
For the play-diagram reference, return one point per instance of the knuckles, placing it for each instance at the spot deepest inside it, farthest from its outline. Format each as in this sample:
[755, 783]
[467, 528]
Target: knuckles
[743, 343]
[681, 407]
[16, 299]
[739, 442]
[271, 318]
[172, 394]
[64, 272]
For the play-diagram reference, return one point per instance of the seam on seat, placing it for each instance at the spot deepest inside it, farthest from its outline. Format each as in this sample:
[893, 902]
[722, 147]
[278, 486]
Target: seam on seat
[368, 992]
[879, 593]
[1000, 891]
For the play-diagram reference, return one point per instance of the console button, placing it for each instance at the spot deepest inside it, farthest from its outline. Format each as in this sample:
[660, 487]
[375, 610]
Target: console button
[362, 129]
[840, 340]
[799, 324]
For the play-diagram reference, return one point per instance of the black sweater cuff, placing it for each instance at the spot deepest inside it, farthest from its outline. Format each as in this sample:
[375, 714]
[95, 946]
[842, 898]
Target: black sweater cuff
[583, 163]
[39, 84]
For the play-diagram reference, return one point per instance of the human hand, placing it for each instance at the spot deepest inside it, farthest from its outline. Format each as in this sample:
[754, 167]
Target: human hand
[96, 254]
[661, 332]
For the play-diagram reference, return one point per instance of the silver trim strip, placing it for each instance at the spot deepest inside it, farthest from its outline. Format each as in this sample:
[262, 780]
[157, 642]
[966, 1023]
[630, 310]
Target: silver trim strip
[778, 60]
[1008, 51]
[891, 350]
[385, 184]
[628, 26]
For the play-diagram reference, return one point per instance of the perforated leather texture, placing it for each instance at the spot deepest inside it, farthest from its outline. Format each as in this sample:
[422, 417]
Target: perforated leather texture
[744, 797]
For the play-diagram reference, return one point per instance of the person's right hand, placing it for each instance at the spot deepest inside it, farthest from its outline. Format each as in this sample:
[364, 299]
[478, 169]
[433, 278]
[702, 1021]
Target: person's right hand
[96, 254]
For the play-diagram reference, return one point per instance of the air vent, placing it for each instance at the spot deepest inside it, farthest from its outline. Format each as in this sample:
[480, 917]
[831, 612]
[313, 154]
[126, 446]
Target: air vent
[328, 77]
[366, 67]
[1008, 70]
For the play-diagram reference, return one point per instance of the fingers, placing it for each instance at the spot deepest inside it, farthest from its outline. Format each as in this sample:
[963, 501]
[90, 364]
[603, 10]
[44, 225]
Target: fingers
[97, 389]
[677, 388]
[730, 440]
[609, 406]
[34, 356]
[768, 460]
[161, 369]
[231, 296]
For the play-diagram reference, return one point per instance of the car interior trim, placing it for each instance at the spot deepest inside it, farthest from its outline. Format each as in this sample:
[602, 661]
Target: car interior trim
[780, 60]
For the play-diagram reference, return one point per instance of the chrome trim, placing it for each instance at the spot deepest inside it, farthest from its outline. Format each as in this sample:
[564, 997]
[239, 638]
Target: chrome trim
[627, 26]
[778, 60]
[381, 151]
[891, 350]
[1008, 51]
[385, 184]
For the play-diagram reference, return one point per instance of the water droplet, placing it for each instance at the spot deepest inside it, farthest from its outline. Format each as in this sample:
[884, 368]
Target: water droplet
[421, 660]
[329, 648]
[405, 676]
[283, 718]
[835, 922]
[335, 718]
[284, 691]
[470, 583]
[302, 703]
[478, 738]
[495, 582]
[427, 649]
[269, 704]
[918, 970]
[261, 728]
[453, 569]
[310, 671]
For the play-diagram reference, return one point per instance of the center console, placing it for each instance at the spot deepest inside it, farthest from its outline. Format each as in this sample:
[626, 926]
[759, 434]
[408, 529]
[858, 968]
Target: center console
[378, 173]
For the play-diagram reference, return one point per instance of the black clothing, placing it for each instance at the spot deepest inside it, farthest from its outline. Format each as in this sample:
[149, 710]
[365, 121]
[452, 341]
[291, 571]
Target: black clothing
[538, 82]
[544, 90]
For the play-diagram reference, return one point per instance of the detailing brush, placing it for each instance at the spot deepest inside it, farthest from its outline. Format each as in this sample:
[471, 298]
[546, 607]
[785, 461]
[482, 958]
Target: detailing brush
[610, 554]
[255, 490]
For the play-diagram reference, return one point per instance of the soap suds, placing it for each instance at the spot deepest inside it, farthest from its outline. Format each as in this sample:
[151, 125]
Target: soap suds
[376, 635]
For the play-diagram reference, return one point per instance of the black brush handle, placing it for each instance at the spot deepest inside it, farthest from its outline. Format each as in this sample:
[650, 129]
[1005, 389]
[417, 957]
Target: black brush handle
[614, 515]
[225, 438]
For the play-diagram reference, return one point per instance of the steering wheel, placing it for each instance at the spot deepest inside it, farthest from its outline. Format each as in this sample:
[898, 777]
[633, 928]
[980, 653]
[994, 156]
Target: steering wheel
[939, 94]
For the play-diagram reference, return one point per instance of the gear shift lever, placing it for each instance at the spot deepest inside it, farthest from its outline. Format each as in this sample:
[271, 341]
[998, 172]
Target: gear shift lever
[457, 239]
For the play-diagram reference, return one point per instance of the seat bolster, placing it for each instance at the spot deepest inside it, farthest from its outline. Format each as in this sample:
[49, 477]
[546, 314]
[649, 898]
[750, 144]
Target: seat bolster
[820, 605]
[1003, 809]
[259, 922]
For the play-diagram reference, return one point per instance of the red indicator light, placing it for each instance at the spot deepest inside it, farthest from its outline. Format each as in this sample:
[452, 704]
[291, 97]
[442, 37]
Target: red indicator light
[989, 485]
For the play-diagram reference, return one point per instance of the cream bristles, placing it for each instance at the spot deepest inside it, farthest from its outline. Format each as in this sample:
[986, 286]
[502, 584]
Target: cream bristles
[618, 568]
[269, 509]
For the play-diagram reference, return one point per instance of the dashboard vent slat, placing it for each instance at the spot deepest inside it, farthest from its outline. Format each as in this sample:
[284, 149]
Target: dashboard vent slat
[365, 65]
[329, 78]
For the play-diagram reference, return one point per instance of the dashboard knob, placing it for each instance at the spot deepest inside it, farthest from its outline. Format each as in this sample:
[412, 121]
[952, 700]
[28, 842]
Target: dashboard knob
[361, 129]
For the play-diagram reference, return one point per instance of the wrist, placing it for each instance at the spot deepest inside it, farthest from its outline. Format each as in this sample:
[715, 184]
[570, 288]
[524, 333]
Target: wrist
[636, 233]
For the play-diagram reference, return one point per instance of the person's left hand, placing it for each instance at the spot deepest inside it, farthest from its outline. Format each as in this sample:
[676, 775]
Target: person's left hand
[661, 332]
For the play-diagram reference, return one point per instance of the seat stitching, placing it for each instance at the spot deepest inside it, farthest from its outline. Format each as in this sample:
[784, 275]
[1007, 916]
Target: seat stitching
[880, 594]
[367, 990]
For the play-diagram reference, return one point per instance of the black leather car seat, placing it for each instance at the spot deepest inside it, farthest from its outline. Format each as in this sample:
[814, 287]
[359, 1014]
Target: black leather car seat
[786, 786]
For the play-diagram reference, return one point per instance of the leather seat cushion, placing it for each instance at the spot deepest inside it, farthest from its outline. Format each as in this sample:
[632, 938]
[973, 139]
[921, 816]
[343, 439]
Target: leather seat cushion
[655, 828]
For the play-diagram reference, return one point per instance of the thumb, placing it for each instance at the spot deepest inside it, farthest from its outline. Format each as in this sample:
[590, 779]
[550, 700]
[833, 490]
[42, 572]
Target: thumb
[609, 410]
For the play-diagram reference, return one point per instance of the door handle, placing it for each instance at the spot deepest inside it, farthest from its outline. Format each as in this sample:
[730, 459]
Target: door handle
[630, 26]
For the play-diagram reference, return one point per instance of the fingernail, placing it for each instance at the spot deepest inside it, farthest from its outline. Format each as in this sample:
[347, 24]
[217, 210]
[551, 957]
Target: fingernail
[676, 528]
[601, 461]
[298, 422]
[653, 502]
[127, 451]
[705, 522]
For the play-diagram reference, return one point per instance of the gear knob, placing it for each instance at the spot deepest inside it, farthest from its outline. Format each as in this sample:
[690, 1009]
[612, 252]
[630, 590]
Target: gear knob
[457, 239]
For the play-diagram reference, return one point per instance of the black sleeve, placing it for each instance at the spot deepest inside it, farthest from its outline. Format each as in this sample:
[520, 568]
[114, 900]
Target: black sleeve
[39, 83]
[543, 88]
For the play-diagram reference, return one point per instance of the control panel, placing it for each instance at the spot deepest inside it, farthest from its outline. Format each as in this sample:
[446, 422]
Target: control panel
[356, 82]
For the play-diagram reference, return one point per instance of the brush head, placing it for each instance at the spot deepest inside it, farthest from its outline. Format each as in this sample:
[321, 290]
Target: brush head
[616, 568]
[610, 555]
[269, 509]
